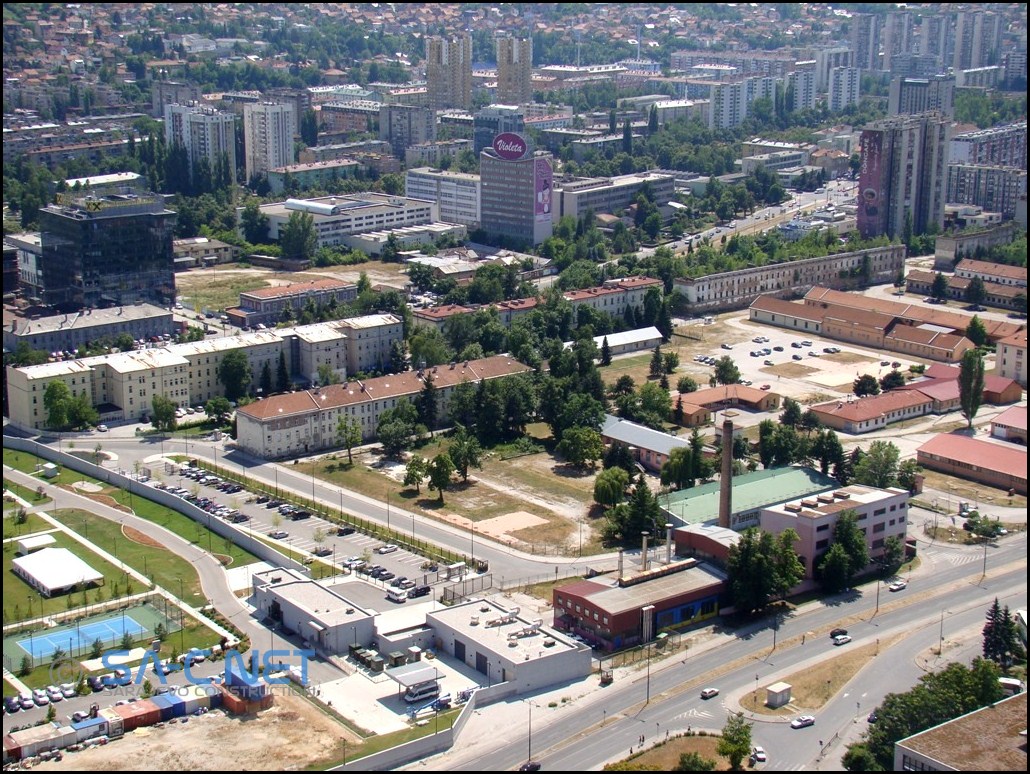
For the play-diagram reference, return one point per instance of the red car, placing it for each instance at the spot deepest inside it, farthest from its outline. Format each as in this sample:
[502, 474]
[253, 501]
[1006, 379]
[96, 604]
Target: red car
[765, 387]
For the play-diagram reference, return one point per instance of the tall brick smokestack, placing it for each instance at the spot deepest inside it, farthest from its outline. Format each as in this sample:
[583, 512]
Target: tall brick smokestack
[726, 479]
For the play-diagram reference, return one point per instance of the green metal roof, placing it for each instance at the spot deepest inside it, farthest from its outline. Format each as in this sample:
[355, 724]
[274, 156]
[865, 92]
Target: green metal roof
[751, 492]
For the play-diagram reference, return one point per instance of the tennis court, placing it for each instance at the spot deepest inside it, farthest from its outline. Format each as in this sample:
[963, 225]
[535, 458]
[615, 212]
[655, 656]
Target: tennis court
[74, 639]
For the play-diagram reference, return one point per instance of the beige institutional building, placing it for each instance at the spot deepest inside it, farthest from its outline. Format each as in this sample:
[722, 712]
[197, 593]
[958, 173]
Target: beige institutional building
[306, 422]
[122, 386]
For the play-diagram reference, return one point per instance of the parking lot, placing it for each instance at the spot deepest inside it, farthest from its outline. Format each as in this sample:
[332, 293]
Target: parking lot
[294, 530]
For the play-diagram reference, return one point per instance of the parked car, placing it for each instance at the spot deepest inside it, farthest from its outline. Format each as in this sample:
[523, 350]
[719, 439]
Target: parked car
[95, 683]
[388, 548]
[796, 344]
[419, 591]
[101, 428]
[797, 357]
[323, 551]
[885, 362]
[278, 534]
[69, 690]
[709, 693]
[39, 696]
[727, 346]
[806, 343]
[803, 721]
[765, 387]
[777, 349]
[343, 531]
[386, 575]
[769, 363]
[11, 705]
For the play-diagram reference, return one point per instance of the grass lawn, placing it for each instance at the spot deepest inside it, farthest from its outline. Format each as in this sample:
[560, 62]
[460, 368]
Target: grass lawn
[25, 493]
[27, 463]
[814, 686]
[969, 491]
[159, 564]
[33, 523]
[21, 601]
[204, 289]
[666, 755]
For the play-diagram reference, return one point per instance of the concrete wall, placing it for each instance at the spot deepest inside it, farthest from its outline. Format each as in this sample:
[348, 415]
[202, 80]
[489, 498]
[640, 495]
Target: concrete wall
[223, 529]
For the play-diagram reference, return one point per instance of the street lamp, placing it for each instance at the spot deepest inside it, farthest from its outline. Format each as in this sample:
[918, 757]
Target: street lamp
[529, 751]
[182, 629]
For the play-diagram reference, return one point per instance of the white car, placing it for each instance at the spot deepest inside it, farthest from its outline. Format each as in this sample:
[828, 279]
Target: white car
[758, 754]
[803, 721]
[842, 639]
[709, 693]
[278, 534]
[68, 690]
[898, 586]
[389, 548]
[101, 428]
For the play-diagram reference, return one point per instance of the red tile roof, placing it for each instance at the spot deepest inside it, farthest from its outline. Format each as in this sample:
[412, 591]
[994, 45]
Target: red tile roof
[1014, 417]
[985, 455]
[865, 409]
[298, 288]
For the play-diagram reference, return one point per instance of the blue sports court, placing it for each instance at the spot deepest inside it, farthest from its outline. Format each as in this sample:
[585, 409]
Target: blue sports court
[77, 639]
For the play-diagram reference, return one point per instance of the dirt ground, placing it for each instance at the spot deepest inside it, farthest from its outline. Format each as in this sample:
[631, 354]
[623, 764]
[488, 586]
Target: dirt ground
[290, 735]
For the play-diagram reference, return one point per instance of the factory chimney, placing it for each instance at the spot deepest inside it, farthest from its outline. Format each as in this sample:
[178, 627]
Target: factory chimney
[726, 479]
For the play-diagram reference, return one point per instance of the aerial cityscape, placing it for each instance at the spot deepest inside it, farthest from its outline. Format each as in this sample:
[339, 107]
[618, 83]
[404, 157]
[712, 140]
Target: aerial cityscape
[516, 386]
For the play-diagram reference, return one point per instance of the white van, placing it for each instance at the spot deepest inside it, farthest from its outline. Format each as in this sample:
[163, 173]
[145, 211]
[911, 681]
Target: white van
[397, 595]
[422, 691]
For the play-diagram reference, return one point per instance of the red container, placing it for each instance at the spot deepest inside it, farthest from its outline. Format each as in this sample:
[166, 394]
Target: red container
[138, 714]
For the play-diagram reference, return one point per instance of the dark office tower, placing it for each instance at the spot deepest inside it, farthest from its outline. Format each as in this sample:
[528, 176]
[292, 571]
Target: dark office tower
[977, 40]
[449, 71]
[903, 175]
[865, 40]
[108, 251]
[493, 120]
[516, 187]
[405, 125]
[514, 70]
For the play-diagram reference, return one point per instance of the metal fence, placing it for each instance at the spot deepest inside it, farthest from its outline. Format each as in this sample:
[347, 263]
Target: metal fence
[460, 591]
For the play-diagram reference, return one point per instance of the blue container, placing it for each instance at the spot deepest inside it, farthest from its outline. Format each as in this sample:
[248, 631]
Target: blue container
[164, 705]
[215, 694]
[178, 704]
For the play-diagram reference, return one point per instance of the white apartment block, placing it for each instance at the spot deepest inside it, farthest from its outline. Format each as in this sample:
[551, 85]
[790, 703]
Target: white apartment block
[829, 59]
[122, 385]
[336, 217]
[204, 132]
[731, 102]
[267, 136]
[455, 193]
[803, 84]
[843, 89]
[1010, 361]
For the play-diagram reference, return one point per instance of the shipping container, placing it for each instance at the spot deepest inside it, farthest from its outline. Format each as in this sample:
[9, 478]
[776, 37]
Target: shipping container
[164, 706]
[12, 750]
[138, 714]
[114, 722]
[214, 696]
[231, 702]
[49, 736]
[178, 703]
[196, 698]
[89, 728]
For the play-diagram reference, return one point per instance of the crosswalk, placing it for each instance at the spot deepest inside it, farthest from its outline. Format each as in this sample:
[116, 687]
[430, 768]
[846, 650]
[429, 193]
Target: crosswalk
[956, 557]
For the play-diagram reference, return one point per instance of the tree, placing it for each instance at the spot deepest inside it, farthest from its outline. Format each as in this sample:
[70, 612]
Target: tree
[255, 223]
[610, 487]
[265, 383]
[678, 470]
[749, 571]
[976, 292]
[893, 554]
[326, 374]
[398, 427]
[619, 456]
[218, 408]
[976, 331]
[791, 416]
[971, 384]
[428, 404]
[670, 362]
[606, 353]
[692, 761]
[55, 400]
[879, 465]
[858, 758]
[234, 373]
[581, 446]
[939, 289]
[892, 380]
[282, 374]
[440, 470]
[164, 413]
[348, 434]
[735, 742]
[465, 452]
[866, 384]
[686, 384]
[416, 471]
[656, 368]
[766, 431]
[907, 472]
[788, 569]
[848, 555]
[834, 569]
[297, 237]
[726, 371]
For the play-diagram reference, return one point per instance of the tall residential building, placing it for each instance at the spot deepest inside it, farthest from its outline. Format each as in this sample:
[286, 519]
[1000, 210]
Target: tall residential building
[204, 132]
[514, 70]
[449, 71]
[456, 193]
[731, 102]
[164, 93]
[827, 60]
[977, 40]
[903, 175]
[516, 187]
[493, 120]
[113, 250]
[865, 40]
[844, 88]
[922, 95]
[802, 85]
[996, 189]
[935, 37]
[405, 125]
[1000, 146]
[899, 33]
[267, 136]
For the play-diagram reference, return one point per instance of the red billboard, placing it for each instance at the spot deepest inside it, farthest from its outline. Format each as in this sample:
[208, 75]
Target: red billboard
[510, 146]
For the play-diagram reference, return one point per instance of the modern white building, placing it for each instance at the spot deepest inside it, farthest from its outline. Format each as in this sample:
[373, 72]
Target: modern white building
[54, 571]
[843, 88]
[731, 102]
[267, 136]
[457, 194]
[610, 194]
